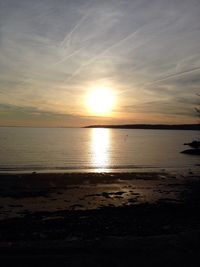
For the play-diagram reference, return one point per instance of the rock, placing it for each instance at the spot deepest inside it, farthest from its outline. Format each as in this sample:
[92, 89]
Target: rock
[191, 151]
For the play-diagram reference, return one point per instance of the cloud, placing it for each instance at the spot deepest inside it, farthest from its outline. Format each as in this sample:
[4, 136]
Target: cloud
[52, 52]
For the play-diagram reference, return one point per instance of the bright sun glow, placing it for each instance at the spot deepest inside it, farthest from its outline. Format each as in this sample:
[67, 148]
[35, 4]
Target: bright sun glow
[100, 101]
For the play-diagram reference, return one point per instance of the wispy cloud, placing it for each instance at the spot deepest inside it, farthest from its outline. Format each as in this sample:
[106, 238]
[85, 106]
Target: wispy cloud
[66, 41]
[175, 75]
[51, 52]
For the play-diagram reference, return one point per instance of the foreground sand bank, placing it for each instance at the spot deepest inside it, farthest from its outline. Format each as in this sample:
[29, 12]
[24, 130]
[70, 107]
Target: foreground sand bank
[100, 218]
[23, 194]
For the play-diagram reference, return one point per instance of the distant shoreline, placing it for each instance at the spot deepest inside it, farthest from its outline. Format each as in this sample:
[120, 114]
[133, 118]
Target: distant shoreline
[193, 127]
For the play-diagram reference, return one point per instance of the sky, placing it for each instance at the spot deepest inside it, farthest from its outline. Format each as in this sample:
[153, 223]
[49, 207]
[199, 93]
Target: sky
[54, 52]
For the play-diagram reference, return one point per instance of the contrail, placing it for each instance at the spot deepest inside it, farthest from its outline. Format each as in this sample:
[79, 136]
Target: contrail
[102, 53]
[70, 55]
[174, 75]
[68, 36]
[79, 23]
[109, 48]
[65, 58]
[133, 34]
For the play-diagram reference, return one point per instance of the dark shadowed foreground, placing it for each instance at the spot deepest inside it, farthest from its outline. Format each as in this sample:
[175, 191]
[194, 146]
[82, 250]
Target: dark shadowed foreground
[118, 219]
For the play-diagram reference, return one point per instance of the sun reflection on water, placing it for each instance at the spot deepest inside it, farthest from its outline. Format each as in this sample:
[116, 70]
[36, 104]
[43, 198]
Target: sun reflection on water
[100, 144]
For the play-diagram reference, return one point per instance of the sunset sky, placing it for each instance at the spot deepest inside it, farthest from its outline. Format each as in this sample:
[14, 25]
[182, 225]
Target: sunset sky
[55, 53]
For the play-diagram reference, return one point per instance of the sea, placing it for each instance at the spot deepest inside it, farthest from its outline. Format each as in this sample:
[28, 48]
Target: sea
[94, 150]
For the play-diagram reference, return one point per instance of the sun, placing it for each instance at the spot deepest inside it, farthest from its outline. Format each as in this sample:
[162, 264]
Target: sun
[100, 101]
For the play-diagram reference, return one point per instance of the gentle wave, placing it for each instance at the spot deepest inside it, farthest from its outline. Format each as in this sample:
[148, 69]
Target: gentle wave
[41, 168]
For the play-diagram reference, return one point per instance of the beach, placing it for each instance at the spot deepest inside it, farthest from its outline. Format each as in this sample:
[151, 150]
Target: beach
[100, 218]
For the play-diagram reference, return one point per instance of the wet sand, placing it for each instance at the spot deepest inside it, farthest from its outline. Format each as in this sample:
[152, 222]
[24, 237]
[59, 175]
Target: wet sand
[100, 219]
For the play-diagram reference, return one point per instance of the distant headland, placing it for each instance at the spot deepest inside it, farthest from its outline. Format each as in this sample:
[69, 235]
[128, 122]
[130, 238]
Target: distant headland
[194, 127]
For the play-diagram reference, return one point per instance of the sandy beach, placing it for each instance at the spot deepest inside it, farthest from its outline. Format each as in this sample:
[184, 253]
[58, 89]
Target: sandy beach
[98, 218]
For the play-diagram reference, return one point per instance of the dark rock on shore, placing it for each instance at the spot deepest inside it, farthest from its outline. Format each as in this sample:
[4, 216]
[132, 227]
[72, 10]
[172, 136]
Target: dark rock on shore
[191, 151]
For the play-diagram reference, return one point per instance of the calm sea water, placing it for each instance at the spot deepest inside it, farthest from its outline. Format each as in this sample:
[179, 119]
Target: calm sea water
[60, 149]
